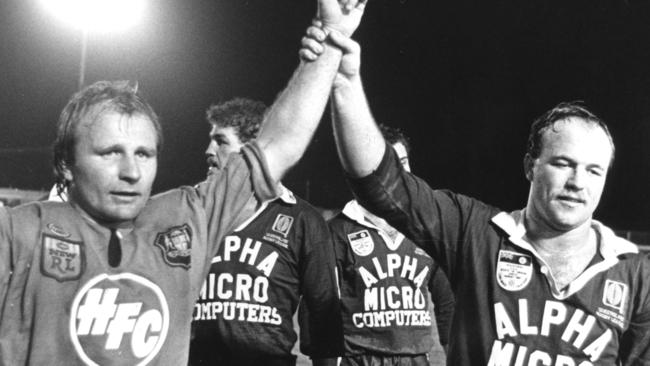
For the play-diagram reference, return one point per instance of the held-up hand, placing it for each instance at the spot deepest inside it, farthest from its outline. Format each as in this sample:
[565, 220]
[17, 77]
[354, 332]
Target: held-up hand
[312, 47]
[341, 15]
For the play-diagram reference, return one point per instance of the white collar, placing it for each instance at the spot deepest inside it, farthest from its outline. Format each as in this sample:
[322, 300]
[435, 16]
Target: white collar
[610, 247]
[610, 244]
[286, 195]
[357, 213]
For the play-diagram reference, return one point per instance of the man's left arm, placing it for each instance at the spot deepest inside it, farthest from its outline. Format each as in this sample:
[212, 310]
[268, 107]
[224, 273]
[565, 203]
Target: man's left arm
[635, 343]
[443, 303]
[293, 118]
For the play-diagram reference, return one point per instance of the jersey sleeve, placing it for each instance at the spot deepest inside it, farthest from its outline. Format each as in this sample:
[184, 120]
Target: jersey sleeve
[436, 220]
[320, 320]
[5, 256]
[231, 195]
[443, 301]
[635, 343]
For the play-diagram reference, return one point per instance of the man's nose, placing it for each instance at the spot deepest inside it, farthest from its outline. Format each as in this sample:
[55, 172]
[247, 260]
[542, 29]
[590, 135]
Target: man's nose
[130, 169]
[212, 149]
[577, 179]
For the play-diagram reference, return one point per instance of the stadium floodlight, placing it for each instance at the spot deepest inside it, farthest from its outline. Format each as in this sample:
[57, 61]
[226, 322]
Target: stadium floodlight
[98, 16]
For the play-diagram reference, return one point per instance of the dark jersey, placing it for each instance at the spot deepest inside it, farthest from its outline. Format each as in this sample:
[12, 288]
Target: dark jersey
[62, 304]
[507, 311]
[256, 281]
[387, 284]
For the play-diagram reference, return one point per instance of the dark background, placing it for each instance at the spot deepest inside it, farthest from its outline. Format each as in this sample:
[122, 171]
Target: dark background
[464, 79]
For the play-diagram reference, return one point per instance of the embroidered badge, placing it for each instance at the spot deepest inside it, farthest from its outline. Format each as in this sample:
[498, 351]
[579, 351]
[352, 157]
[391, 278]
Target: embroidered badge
[62, 259]
[361, 243]
[282, 224]
[176, 245]
[615, 295]
[57, 230]
[514, 270]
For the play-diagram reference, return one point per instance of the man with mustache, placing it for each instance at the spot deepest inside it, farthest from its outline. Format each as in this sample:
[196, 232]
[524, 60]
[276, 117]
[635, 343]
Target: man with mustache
[544, 285]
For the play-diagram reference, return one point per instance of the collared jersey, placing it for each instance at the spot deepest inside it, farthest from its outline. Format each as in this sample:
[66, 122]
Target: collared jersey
[256, 280]
[507, 312]
[387, 285]
[62, 304]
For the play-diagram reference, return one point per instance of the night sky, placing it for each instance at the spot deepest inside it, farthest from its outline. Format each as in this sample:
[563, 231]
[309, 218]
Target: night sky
[464, 79]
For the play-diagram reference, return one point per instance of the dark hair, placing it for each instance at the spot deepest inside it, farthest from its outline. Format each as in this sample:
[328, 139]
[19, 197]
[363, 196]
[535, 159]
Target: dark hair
[89, 104]
[561, 112]
[394, 135]
[245, 115]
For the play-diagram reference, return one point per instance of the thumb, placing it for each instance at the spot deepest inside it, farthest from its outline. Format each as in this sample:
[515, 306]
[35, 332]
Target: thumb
[346, 44]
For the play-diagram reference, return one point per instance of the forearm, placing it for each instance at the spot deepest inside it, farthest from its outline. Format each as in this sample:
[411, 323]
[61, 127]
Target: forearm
[293, 118]
[358, 139]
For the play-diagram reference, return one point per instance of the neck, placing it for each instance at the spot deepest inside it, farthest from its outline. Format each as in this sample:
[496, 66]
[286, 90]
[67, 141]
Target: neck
[99, 221]
[554, 241]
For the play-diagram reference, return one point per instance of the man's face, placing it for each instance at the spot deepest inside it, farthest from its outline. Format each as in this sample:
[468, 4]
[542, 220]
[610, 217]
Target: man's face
[114, 166]
[223, 140]
[568, 177]
[403, 156]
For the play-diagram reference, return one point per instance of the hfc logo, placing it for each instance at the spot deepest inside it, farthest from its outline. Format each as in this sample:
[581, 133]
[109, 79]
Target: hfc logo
[119, 317]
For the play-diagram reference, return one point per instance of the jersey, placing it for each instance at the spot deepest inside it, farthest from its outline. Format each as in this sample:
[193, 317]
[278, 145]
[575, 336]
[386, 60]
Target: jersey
[507, 312]
[387, 284]
[256, 281]
[62, 304]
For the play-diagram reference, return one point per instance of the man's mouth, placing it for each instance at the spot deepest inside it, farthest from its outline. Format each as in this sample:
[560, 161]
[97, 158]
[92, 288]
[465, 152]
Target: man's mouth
[571, 199]
[125, 194]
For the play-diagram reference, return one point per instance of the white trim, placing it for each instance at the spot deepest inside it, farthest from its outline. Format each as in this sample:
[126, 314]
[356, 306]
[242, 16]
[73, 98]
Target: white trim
[286, 196]
[610, 247]
[357, 213]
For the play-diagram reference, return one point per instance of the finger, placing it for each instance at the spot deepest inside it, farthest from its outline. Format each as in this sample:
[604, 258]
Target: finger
[358, 5]
[316, 33]
[307, 55]
[312, 45]
[317, 23]
[348, 5]
[344, 43]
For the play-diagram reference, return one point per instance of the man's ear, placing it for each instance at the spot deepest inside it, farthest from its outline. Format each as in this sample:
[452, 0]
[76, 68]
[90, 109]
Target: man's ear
[65, 171]
[529, 162]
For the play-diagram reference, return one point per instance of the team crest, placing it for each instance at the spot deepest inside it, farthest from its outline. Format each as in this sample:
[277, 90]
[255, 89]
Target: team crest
[62, 259]
[176, 244]
[615, 295]
[361, 243]
[282, 224]
[57, 230]
[514, 270]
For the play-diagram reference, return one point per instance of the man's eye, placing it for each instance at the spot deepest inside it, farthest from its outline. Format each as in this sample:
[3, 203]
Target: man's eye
[596, 172]
[109, 153]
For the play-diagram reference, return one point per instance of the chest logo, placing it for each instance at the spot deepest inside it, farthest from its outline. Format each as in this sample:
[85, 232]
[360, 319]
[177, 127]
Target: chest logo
[57, 230]
[282, 224]
[514, 270]
[615, 295]
[361, 243]
[61, 259]
[176, 245]
[123, 318]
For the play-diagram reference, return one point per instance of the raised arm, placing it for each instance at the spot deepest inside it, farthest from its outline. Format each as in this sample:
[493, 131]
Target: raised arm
[293, 118]
[359, 141]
